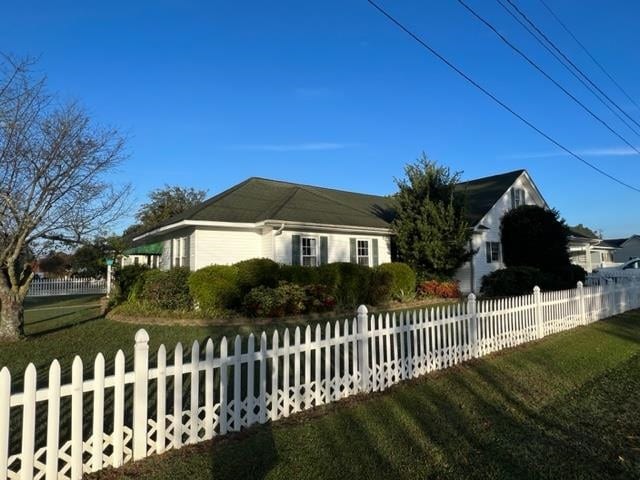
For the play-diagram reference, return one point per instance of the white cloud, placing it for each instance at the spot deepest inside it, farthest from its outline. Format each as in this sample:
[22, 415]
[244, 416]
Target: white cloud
[584, 152]
[294, 147]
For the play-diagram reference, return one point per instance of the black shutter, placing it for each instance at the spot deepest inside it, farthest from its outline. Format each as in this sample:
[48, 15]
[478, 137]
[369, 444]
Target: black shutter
[374, 247]
[513, 198]
[295, 249]
[352, 251]
[488, 249]
[324, 250]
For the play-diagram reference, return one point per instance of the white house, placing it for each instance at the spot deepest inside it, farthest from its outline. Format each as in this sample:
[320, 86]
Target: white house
[589, 251]
[308, 225]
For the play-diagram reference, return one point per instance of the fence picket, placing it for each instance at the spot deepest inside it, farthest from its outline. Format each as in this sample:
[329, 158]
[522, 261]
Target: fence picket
[98, 414]
[208, 390]
[76, 419]
[53, 422]
[177, 396]
[118, 411]
[161, 399]
[194, 400]
[5, 421]
[29, 422]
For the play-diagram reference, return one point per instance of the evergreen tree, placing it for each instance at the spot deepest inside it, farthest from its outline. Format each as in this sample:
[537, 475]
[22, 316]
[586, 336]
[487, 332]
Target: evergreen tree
[431, 231]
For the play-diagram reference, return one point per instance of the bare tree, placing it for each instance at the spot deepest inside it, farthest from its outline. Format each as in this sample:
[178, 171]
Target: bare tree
[54, 181]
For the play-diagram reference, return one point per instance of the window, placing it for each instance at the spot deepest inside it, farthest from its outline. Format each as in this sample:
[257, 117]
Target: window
[493, 251]
[363, 252]
[136, 260]
[180, 247]
[309, 252]
[517, 197]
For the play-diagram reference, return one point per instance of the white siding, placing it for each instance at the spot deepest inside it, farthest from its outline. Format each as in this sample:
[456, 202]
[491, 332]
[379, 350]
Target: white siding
[492, 234]
[226, 246]
[337, 243]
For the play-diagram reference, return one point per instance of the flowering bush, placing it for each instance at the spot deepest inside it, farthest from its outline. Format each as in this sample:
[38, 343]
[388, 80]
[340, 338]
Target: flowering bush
[318, 298]
[285, 299]
[438, 288]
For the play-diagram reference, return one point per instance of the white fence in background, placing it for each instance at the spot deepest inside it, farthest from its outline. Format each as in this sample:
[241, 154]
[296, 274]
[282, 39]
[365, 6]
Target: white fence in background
[47, 287]
[65, 429]
[606, 276]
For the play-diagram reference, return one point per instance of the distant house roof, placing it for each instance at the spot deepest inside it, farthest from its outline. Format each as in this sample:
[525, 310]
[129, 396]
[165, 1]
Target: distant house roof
[616, 242]
[261, 199]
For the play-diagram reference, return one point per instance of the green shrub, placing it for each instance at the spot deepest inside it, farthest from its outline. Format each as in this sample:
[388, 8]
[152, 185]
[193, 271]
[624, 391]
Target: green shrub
[569, 276]
[513, 281]
[215, 288]
[285, 299]
[403, 285]
[300, 275]
[257, 272]
[329, 276]
[381, 286]
[168, 290]
[353, 284]
[128, 281]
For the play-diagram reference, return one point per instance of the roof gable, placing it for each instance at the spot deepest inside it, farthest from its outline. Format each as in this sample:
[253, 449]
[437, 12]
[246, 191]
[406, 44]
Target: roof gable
[483, 193]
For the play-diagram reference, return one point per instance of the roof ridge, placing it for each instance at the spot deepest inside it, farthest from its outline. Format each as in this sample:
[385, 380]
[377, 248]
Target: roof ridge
[307, 186]
[318, 194]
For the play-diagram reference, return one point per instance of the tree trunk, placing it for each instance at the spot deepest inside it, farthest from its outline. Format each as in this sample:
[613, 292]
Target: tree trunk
[11, 317]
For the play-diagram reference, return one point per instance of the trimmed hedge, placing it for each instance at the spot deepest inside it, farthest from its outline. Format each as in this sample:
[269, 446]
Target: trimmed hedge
[216, 288]
[403, 285]
[257, 272]
[513, 281]
[521, 280]
[167, 289]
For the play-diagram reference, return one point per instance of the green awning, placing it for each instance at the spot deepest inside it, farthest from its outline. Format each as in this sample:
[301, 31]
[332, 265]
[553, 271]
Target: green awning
[147, 249]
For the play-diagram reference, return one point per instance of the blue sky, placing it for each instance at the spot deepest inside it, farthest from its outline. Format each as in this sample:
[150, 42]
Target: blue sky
[330, 93]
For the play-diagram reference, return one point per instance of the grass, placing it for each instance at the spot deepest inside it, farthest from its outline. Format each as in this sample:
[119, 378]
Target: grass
[564, 407]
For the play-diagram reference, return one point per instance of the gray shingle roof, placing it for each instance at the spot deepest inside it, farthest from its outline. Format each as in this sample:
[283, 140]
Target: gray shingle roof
[259, 199]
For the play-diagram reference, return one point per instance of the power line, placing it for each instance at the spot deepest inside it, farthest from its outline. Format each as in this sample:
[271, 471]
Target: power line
[589, 54]
[443, 59]
[545, 74]
[557, 49]
[565, 63]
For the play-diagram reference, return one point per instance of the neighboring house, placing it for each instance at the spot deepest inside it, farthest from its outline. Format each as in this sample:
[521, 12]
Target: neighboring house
[149, 254]
[626, 248]
[589, 251]
[306, 225]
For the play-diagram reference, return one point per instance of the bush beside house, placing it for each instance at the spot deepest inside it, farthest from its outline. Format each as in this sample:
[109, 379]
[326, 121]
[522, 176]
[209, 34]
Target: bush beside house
[260, 287]
[535, 251]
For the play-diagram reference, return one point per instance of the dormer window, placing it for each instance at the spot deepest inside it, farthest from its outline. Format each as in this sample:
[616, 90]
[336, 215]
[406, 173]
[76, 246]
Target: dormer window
[517, 197]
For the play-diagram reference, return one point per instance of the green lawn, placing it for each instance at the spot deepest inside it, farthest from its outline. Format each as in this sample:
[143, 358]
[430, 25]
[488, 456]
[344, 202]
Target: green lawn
[565, 407]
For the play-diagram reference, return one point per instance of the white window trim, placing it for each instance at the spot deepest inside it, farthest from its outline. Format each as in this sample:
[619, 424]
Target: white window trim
[515, 196]
[317, 252]
[490, 242]
[369, 242]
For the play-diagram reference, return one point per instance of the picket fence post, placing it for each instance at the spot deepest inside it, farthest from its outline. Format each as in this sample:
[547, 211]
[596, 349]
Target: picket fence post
[537, 302]
[140, 392]
[473, 324]
[363, 347]
[581, 306]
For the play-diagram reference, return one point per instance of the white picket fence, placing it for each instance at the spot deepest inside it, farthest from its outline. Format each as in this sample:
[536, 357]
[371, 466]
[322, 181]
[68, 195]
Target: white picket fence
[63, 430]
[47, 287]
[607, 276]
